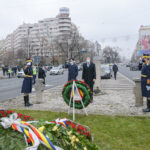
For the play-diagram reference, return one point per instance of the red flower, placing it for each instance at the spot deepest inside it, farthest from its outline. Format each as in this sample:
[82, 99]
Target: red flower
[73, 126]
[28, 140]
[4, 115]
[2, 112]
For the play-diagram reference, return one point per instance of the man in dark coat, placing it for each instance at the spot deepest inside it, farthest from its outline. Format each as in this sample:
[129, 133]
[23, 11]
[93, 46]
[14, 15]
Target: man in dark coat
[89, 73]
[27, 82]
[115, 70]
[145, 81]
[72, 70]
[41, 74]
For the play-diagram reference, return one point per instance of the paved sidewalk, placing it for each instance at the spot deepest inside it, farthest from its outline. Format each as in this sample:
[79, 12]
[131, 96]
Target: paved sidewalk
[117, 99]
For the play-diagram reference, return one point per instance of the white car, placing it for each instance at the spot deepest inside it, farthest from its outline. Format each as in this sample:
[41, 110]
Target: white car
[20, 74]
[56, 71]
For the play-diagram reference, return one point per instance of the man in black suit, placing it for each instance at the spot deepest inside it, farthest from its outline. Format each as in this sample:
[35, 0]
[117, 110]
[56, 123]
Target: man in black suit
[89, 73]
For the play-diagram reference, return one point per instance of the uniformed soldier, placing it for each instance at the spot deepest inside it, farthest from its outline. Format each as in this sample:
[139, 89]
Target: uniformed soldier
[27, 82]
[145, 80]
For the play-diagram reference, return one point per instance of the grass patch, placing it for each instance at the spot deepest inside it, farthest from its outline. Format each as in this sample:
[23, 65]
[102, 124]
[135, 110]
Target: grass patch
[109, 132]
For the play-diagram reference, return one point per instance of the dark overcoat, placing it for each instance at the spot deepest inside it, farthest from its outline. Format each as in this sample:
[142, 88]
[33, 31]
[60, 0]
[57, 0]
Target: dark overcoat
[72, 72]
[89, 73]
[145, 80]
[27, 82]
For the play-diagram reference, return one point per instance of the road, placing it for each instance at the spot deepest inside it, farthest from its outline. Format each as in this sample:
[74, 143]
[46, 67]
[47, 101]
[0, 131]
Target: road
[129, 74]
[11, 88]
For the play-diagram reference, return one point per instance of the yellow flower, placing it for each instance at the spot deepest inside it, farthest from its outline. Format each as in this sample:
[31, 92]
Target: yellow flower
[72, 143]
[73, 137]
[84, 148]
[55, 128]
[69, 133]
[41, 129]
[77, 140]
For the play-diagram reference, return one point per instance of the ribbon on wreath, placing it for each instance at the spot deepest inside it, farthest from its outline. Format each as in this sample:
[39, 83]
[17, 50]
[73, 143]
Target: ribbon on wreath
[29, 131]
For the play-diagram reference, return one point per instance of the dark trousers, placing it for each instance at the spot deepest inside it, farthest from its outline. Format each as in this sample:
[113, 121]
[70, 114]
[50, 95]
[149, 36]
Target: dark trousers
[9, 75]
[115, 75]
[34, 77]
[90, 84]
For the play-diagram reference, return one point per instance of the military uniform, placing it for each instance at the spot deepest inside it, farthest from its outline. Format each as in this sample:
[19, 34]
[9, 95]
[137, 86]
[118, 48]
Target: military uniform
[145, 82]
[27, 82]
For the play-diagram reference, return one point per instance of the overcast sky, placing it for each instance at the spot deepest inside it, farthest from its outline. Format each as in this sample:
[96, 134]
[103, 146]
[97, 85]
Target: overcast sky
[110, 22]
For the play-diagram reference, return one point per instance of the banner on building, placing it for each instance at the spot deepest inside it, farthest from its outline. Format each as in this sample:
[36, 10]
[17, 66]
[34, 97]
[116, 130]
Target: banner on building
[141, 52]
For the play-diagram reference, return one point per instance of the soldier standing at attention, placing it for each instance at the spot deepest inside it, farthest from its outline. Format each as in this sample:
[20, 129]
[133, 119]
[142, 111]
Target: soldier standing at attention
[145, 80]
[27, 82]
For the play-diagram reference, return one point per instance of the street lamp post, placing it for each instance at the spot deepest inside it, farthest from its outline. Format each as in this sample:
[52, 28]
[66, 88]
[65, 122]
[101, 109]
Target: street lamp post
[28, 50]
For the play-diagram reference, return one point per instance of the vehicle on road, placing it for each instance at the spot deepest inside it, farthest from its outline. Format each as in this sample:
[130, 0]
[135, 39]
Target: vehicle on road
[128, 65]
[56, 71]
[105, 71]
[20, 74]
[134, 67]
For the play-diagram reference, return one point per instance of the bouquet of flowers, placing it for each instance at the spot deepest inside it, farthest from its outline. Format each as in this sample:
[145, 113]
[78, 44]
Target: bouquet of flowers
[42, 135]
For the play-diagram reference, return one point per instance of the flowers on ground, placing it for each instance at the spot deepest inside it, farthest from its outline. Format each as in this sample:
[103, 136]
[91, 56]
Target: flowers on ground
[73, 137]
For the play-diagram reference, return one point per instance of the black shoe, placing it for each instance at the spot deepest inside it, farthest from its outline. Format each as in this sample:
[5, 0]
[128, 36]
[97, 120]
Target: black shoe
[146, 110]
[28, 104]
[148, 106]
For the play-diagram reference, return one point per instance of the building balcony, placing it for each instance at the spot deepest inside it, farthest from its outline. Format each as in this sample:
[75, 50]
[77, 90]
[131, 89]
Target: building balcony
[64, 29]
[64, 20]
[64, 25]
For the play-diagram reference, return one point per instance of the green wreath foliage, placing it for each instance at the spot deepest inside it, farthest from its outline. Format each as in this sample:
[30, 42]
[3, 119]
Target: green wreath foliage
[87, 94]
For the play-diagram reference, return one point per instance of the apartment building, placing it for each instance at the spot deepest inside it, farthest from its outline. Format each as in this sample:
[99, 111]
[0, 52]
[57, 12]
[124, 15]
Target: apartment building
[36, 37]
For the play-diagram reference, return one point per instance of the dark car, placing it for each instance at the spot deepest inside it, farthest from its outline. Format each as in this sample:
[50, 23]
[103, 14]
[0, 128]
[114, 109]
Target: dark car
[105, 71]
[128, 65]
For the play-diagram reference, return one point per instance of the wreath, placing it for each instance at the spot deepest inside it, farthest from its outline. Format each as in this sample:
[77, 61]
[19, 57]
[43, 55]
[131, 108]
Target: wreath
[84, 91]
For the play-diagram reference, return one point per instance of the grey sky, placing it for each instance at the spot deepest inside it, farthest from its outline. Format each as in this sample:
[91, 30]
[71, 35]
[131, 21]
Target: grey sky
[110, 22]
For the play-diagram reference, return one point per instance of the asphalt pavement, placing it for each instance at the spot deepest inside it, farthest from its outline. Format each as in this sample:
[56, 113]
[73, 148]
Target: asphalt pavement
[129, 74]
[11, 88]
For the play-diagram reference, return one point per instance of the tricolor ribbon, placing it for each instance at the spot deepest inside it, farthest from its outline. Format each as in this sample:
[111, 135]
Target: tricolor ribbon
[29, 131]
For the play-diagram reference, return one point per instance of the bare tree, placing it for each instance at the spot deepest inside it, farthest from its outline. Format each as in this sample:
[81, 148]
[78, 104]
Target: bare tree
[110, 54]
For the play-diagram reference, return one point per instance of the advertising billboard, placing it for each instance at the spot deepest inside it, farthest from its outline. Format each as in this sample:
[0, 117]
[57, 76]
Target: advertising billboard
[145, 39]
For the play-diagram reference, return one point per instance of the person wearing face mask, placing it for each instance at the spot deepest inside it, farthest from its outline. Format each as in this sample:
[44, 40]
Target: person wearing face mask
[72, 70]
[27, 82]
[89, 73]
[145, 80]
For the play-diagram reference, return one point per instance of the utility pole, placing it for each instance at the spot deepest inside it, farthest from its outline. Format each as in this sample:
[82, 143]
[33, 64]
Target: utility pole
[97, 59]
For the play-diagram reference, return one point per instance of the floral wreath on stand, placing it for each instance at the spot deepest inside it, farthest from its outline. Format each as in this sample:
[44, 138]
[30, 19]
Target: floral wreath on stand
[84, 91]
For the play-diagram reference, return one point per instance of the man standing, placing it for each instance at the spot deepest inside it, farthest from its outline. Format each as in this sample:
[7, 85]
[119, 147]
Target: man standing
[34, 74]
[41, 74]
[27, 82]
[89, 73]
[9, 72]
[115, 70]
[72, 70]
[145, 80]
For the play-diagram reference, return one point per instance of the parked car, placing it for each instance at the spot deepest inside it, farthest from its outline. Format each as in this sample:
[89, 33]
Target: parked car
[134, 67]
[128, 65]
[56, 71]
[105, 71]
[20, 74]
